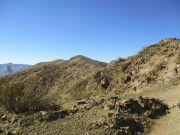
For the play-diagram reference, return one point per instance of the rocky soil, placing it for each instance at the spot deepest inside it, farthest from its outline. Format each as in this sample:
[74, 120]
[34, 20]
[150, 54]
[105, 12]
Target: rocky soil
[131, 117]
[132, 96]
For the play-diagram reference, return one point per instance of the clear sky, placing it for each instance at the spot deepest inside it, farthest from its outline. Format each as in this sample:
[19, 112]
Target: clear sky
[32, 31]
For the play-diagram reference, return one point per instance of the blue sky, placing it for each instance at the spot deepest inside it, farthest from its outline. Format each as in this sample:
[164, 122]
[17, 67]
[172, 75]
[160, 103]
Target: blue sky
[32, 31]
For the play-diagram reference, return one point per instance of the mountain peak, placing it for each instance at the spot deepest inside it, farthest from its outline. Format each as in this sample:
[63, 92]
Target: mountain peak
[80, 57]
[167, 40]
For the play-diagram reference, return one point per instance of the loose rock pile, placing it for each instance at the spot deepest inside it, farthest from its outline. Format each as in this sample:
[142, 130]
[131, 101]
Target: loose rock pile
[133, 116]
[149, 107]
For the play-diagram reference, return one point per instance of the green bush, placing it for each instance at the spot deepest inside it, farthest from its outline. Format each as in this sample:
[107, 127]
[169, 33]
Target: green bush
[16, 97]
[81, 92]
[10, 96]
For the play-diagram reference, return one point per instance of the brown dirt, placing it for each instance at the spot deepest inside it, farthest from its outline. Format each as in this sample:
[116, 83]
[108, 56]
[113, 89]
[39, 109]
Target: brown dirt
[154, 73]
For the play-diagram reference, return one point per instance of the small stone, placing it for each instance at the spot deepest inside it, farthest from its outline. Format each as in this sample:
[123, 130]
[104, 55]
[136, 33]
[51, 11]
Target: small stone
[87, 107]
[81, 102]
[111, 107]
[4, 117]
[46, 126]
[106, 107]
[14, 132]
[73, 111]
[13, 120]
[104, 83]
[118, 133]
[1, 131]
[110, 114]
[114, 98]
[43, 113]
[111, 126]
[99, 101]
[9, 133]
[75, 107]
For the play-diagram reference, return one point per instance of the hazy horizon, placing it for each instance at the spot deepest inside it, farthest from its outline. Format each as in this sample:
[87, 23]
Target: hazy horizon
[36, 31]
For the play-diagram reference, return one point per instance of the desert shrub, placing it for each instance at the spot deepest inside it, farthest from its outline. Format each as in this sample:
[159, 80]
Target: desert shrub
[161, 65]
[16, 97]
[145, 47]
[118, 75]
[81, 92]
[120, 59]
[10, 95]
[100, 91]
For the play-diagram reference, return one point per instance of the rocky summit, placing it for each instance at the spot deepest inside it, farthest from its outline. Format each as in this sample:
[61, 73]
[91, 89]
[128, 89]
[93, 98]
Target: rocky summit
[80, 96]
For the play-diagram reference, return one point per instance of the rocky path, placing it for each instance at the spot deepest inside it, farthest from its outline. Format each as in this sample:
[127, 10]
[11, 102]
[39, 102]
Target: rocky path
[169, 124]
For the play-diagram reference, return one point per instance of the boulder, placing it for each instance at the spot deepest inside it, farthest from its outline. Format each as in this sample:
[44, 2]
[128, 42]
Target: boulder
[154, 107]
[104, 83]
[127, 79]
[128, 125]
[133, 106]
[150, 107]
[57, 115]
[4, 117]
[132, 115]
[81, 102]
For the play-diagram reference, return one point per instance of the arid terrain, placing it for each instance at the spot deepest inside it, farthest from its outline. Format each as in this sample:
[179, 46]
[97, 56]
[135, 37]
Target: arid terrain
[80, 96]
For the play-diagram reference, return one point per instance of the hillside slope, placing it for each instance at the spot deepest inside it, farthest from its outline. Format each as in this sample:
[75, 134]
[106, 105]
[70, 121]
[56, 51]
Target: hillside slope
[59, 79]
[124, 97]
[155, 64]
[81, 77]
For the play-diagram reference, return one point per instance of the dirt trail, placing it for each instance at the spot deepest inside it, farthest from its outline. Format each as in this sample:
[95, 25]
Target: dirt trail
[169, 124]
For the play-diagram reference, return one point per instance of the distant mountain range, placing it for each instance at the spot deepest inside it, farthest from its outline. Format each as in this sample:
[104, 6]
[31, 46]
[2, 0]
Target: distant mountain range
[9, 68]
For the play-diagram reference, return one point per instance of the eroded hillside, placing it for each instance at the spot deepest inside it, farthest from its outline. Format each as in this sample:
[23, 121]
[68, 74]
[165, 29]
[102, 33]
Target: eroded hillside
[58, 79]
[120, 98]
[155, 64]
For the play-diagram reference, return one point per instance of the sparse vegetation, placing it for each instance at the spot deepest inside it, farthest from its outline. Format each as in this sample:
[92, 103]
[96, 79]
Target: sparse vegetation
[81, 93]
[117, 75]
[100, 91]
[15, 98]
[94, 94]
[145, 47]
